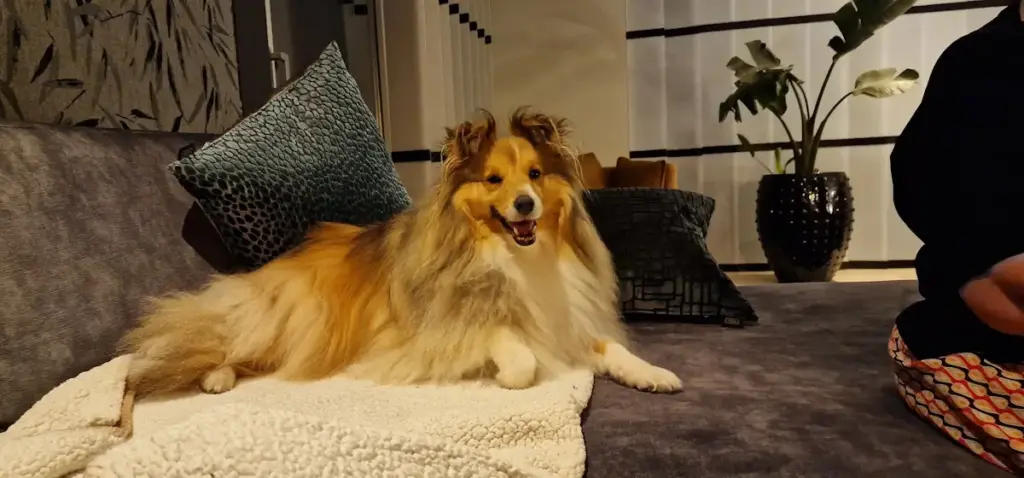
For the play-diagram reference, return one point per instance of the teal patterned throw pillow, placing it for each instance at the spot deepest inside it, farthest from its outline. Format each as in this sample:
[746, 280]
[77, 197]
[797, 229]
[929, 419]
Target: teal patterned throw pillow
[312, 154]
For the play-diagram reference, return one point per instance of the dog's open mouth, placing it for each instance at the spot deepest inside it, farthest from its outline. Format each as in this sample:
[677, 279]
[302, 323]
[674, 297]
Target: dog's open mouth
[523, 232]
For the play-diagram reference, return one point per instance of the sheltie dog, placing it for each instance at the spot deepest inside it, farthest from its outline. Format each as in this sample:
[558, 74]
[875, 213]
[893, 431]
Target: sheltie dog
[501, 276]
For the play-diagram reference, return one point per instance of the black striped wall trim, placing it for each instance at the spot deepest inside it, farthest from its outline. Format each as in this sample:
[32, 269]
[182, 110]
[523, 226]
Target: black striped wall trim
[863, 265]
[416, 156]
[736, 148]
[799, 20]
[466, 19]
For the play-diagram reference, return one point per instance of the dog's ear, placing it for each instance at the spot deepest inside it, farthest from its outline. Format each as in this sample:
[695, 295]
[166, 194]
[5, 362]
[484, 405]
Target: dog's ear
[548, 134]
[539, 128]
[469, 139]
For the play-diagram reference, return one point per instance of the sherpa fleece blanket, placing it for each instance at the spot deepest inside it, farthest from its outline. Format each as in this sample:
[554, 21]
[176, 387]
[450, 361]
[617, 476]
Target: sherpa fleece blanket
[91, 426]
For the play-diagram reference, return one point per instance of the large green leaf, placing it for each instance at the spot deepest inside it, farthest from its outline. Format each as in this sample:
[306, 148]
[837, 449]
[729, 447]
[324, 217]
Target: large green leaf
[763, 57]
[858, 20]
[780, 167]
[750, 102]
[770, 94]
[763, 90]
[885, 82]
[746, 145]
[735, 101]
[763, 85]
[740, 68]
[733, 104]
[847, 20]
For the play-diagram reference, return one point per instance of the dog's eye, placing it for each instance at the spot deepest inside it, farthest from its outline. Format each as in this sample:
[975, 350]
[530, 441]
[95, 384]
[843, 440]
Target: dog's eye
[494, 179]
[534, 173]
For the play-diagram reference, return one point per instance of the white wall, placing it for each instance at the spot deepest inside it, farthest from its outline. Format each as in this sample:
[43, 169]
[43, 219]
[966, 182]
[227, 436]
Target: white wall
[677, 83]
[566, 57]
[437, 72]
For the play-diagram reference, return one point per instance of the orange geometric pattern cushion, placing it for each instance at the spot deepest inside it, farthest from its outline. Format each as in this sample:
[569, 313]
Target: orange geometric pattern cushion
[977, 403]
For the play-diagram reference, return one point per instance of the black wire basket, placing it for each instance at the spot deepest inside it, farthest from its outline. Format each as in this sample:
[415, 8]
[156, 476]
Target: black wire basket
[656, 238]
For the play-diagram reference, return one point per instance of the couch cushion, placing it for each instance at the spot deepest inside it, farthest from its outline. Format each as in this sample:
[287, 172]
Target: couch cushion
[313, 153]
[808, 392]
[89, 226]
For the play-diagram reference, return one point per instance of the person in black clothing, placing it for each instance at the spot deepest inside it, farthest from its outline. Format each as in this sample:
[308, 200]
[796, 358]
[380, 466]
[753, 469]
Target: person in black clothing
[957, 174]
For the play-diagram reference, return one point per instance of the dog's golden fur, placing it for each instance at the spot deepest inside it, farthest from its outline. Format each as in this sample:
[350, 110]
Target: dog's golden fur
[468, 286]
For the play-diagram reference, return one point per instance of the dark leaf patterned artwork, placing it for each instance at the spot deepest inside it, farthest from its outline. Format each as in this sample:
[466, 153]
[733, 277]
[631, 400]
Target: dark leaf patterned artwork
[89, 122]
[44, 63]
[65, 83]
[128, 64]
[141, 114]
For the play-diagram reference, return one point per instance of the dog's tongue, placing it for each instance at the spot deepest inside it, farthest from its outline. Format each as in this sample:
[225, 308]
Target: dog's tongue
[522, 228]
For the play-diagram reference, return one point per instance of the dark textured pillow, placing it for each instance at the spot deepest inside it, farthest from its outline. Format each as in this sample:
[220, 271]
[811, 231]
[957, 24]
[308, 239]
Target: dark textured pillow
[313, 153]
[657, 240]
[201, 234]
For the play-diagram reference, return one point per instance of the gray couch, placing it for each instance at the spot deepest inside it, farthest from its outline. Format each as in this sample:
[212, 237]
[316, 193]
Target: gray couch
[90, 225]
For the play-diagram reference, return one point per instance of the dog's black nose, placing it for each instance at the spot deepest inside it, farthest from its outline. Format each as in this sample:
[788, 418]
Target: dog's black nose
[523, 204]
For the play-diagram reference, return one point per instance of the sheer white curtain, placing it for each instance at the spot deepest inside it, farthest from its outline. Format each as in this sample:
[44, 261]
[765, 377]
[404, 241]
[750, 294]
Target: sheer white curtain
[677, 51]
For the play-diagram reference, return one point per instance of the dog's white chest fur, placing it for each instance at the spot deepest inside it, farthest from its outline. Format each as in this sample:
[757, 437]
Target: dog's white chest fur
[547, 281]
[563, 298]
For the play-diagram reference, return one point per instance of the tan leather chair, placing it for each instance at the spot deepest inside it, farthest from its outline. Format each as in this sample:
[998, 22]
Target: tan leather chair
[627, 173]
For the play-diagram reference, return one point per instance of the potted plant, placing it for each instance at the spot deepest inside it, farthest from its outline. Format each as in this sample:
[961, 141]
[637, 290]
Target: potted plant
[805, 217]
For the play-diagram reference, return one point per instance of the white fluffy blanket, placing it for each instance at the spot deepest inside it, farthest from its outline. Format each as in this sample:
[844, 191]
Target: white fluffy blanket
[89, 426]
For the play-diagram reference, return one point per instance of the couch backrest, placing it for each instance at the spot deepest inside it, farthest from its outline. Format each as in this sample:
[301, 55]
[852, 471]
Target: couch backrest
[90, 225]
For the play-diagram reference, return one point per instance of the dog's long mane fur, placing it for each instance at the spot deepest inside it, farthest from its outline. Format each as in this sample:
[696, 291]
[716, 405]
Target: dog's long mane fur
[414, 299]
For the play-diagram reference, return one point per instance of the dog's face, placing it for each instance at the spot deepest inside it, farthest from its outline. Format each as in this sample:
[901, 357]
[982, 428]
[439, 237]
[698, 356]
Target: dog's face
[514, 186]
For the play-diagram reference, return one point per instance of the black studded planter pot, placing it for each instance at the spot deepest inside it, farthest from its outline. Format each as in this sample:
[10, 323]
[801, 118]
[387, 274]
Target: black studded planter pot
[804, 224]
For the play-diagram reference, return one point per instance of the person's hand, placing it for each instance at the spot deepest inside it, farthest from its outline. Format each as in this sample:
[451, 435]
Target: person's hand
[998, 298]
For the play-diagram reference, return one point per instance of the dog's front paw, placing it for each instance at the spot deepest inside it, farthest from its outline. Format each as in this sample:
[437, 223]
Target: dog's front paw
[517, 373]
[648, 378]
[622, 366]
[219, 380]
[516, 363]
